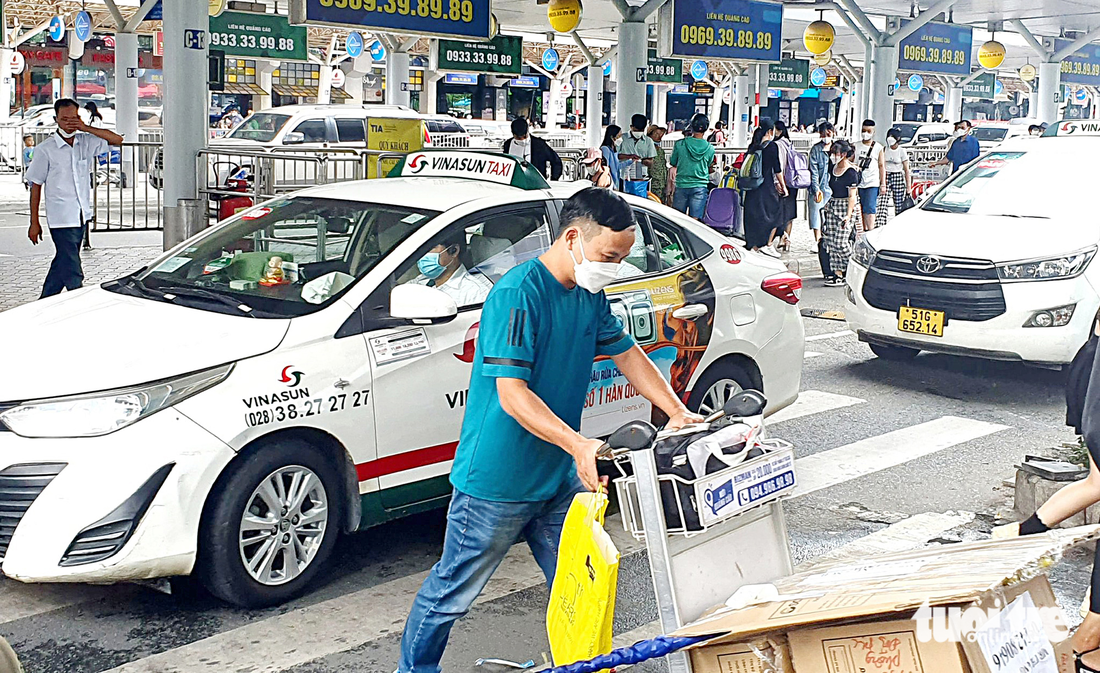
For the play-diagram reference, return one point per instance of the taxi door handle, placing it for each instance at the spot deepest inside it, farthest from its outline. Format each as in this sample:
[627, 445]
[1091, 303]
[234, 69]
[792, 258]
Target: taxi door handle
[690, 312]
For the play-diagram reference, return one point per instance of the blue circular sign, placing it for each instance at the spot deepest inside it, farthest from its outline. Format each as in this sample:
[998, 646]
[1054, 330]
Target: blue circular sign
[82, 26]
[607, 68]
[377, 50]
[57, 28]
[818, 76]
[354, 44]
[916, 82]
[699, 69]
[897, 84]
[550, 59]
[1081, 94]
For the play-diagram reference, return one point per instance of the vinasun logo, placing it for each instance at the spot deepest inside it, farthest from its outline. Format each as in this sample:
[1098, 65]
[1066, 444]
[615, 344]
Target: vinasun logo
[956, 624]
[291, 378]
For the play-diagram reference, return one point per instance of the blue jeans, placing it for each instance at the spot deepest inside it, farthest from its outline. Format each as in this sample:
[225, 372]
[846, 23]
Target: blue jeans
[479, 534]
[690, 200]
[65, 271]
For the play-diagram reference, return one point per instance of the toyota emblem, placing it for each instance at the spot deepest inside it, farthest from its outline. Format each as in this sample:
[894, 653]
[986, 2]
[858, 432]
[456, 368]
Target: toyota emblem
[929, 264]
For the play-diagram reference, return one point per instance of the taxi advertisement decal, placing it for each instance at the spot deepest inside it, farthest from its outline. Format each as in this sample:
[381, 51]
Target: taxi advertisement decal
[675, 345]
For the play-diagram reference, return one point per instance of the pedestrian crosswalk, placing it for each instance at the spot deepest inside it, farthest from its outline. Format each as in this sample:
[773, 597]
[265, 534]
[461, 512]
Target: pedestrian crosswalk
[355, 619]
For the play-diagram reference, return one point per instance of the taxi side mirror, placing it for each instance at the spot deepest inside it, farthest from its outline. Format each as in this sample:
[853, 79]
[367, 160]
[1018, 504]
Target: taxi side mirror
[422, 305]
[294, 138]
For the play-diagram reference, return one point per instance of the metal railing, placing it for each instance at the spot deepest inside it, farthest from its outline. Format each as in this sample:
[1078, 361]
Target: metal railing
[125, 195]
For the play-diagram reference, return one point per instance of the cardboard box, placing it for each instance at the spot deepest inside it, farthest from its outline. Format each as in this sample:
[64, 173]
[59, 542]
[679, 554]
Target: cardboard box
[740, 658]
[878, 616]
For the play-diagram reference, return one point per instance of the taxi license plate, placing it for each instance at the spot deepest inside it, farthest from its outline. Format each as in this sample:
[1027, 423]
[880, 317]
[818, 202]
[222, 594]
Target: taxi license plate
[920, 321]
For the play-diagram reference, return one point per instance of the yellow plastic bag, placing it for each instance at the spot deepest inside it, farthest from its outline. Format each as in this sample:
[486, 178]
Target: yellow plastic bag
[582, 600]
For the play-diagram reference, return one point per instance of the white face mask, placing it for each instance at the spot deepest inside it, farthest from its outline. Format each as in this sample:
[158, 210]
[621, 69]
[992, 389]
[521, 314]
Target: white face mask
[959, 133]
[593, 276]
[893, 142]
[867, 136]
[637, 135]
[590, 169]
[67, 135]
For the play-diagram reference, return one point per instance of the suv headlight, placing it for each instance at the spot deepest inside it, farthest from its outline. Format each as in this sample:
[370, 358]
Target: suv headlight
[98, 414]
[863, 254]
[1051, 268]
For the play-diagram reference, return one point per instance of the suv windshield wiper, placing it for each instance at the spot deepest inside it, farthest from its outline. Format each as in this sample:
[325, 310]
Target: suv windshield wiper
[141, 289]
[941, 209]
[1027, 217]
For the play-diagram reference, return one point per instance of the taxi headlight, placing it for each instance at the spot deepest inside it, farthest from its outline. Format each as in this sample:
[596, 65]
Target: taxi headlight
[103, 413]
[1065, 266]
[863, 254]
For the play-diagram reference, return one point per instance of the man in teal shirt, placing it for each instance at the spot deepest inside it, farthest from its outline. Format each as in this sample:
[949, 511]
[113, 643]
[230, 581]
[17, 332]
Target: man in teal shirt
[692, 157]
[521, 459]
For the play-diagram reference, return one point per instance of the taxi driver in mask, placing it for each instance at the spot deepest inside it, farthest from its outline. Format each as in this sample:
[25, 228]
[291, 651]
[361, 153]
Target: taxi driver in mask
[442, 268]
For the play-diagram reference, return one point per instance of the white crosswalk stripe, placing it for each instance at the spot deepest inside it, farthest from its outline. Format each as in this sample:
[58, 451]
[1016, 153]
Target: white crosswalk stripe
[306, 634]
[830, 335]
[836, 466]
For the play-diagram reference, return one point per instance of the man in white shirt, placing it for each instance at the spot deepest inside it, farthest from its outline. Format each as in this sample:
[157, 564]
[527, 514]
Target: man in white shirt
[62, 168]
[637, 150]
[442, 268]
[871, 162]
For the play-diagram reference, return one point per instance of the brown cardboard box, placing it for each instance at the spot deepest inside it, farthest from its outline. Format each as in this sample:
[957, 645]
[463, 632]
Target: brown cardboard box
[872, 647]
[834, 603]
[740, 658]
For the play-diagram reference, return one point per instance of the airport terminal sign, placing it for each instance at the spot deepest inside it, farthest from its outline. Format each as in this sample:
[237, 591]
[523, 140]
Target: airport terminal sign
[791, 73]
[747, 30]
[502, 55]
[664, 69]
[443, 18]
[943, 48]
[983, 86]
[1083, 67]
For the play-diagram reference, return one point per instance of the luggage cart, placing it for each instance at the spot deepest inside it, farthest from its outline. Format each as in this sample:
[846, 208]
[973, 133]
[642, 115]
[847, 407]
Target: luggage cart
[738, 538]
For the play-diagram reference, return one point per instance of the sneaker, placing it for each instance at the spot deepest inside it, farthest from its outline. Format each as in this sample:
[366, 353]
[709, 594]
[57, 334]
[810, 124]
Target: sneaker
[814, 249]
[834, 282]
[770, 251]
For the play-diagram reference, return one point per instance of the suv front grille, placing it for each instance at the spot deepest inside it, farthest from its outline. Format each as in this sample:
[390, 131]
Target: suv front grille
[964, 289]
[20, 486]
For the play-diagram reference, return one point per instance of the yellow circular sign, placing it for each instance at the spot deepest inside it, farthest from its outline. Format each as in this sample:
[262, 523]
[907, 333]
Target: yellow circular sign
[824, 59]
[564, 15]
[217, 7]
[494, 26]
[1028, 72]
[819, 37]
[991, 55]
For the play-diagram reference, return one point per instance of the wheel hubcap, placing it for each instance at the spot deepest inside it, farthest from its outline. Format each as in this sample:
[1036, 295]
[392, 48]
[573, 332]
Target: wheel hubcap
[283, 525]
[717, 395]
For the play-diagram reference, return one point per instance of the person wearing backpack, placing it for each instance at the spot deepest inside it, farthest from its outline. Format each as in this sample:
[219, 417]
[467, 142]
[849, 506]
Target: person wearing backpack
[692, 157]
[796, 175]
[761, 184]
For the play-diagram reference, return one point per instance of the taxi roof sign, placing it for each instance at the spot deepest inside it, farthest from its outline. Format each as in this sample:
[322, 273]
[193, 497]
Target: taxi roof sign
[503, 169]
[1073, 127]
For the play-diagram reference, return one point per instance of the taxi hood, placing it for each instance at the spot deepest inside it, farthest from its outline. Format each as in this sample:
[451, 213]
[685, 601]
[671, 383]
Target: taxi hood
[93, 339]
[997, 238]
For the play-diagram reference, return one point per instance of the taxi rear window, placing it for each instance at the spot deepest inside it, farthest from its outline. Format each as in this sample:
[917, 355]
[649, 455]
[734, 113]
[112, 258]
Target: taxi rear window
[286, 258]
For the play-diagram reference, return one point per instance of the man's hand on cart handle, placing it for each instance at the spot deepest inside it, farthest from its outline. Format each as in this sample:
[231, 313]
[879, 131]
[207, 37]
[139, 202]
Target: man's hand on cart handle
[584, 452]
[685, 417]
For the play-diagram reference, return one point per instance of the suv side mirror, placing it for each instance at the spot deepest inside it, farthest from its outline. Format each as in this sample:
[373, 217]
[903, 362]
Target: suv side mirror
[422, 304]
[294, 138]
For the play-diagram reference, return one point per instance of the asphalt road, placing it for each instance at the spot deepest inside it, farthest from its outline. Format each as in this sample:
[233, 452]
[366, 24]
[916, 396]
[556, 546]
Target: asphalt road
[879, 442]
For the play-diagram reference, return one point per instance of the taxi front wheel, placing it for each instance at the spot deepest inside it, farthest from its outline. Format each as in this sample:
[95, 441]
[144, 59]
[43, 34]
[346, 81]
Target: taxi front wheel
[271, 525]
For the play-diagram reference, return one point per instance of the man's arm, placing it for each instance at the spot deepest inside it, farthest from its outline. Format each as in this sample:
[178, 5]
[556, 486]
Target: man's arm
[647, 379]
[555, 163]
[882, 168]
[519, 402]
[111, 137]
[35, 232]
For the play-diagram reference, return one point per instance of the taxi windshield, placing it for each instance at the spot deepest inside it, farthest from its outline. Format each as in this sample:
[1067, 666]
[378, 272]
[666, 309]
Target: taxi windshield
[907, 132]
[1019, 184]
[261, 127]
[989, 133]
[286, 258]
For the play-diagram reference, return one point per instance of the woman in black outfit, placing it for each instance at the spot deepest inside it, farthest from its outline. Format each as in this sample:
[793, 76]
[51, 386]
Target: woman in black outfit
[1083, 414]
[762, 205]
[788, 204]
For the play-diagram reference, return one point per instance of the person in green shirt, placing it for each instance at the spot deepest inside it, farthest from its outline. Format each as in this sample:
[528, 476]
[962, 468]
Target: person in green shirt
[691, 159]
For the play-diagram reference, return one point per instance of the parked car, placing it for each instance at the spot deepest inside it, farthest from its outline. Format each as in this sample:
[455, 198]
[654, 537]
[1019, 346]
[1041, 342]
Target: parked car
[996, 263]
[922, 133]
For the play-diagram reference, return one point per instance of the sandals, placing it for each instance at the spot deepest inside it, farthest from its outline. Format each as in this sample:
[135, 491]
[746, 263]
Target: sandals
[1080, 666]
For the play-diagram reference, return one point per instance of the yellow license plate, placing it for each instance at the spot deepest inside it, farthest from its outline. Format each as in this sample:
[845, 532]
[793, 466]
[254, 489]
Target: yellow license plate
[920, 321]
